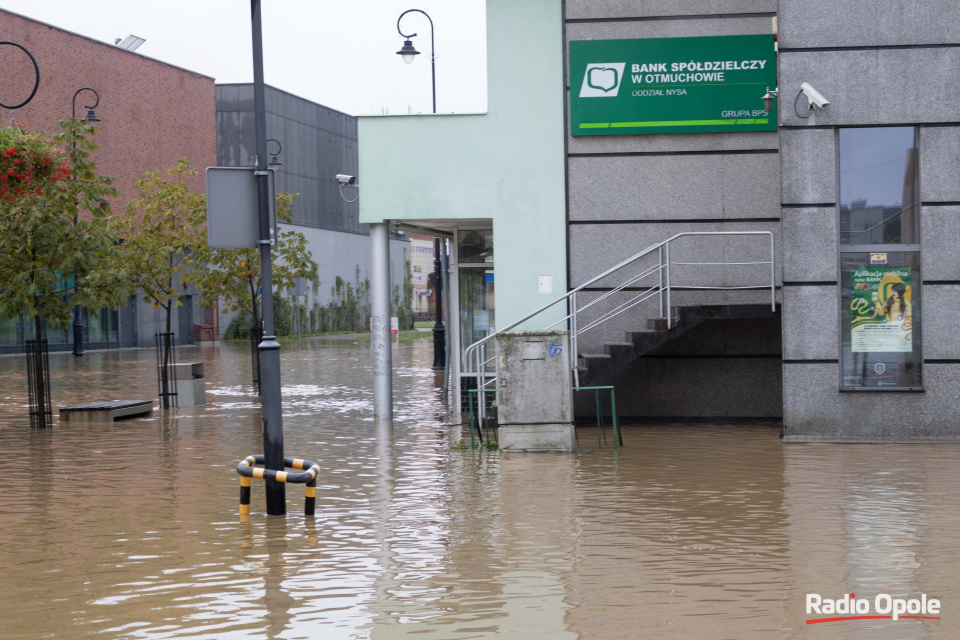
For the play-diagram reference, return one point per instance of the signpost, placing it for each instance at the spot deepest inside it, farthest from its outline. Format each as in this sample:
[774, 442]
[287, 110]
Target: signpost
[233, 212]
[671, 85]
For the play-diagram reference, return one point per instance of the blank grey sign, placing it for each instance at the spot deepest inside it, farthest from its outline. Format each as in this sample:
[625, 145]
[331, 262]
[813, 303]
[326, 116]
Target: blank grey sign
[232, 213]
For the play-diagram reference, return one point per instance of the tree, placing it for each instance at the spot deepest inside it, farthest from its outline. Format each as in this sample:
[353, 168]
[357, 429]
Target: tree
[43, 240]
[234, 274]
[163, 237]
[163, 232]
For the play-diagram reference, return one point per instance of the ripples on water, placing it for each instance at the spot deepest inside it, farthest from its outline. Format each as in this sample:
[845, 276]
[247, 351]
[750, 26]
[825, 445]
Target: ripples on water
[130, 530]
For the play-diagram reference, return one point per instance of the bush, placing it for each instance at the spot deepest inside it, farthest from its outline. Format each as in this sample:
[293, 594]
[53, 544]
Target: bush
[239, 328]
[282, 316]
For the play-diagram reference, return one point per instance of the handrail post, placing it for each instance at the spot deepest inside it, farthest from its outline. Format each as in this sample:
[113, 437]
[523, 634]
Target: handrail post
[667, 266]
[660, 278]
[481, 383]
[574, 353]
[773, 277]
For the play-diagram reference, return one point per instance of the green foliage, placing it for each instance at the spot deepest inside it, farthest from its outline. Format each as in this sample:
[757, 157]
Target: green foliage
[349, 308]
[460, 445]
[40, 244]
[163, 233]
[282, 316]
[234, 276]
[401, 304]
[238, 329]
[490, 445]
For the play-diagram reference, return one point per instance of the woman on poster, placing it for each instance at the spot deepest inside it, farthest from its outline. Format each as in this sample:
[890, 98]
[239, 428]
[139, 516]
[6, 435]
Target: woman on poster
[896, 308]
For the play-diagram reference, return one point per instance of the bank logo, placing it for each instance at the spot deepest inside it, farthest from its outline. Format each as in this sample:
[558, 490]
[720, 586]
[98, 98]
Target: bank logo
[555, 349]
[602, 80]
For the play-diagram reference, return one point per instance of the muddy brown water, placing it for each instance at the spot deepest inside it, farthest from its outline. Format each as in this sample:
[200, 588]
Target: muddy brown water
[130, 530]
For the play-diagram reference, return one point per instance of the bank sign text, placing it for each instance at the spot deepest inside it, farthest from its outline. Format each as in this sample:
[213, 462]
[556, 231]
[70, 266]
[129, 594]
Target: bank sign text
[671, 85]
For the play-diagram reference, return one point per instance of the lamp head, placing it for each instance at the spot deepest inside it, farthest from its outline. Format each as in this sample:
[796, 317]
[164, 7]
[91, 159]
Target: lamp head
[768, 98]
[408, 51]
[92, 116]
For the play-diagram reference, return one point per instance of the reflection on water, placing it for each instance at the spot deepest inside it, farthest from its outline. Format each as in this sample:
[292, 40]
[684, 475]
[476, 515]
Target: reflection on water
[130, 530]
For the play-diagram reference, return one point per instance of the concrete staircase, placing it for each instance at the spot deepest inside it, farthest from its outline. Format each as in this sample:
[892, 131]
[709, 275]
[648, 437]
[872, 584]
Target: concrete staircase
[601, 367]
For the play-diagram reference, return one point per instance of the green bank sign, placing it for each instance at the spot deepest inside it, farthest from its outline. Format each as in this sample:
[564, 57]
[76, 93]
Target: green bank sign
[671, 85]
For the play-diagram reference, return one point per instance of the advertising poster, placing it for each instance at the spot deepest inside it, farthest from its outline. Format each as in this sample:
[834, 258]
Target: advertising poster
[881, 313]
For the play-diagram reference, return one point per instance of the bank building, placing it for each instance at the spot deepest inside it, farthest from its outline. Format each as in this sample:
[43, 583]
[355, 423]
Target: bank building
[740, 208]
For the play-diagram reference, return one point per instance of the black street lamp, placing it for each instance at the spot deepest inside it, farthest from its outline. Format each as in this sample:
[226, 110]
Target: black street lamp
[91, 117]
[409, 53]
[275, 157]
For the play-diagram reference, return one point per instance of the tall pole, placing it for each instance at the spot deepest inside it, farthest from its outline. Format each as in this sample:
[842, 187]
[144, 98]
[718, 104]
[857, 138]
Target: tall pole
[77, 322]
[269, 347]
[380, 337]
[433, 56]
[439, 332]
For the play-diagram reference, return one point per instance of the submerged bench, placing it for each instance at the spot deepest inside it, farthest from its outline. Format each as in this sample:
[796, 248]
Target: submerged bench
[106, 411]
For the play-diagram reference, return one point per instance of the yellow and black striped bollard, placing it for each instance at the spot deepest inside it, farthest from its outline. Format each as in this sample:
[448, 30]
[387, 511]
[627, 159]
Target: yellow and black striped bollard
[248, 470]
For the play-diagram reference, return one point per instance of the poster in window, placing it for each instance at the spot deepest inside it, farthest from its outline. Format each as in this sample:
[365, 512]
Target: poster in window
[881, 311]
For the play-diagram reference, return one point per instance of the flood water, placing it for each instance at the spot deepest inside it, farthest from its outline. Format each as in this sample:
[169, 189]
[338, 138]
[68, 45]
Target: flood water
[130, 530]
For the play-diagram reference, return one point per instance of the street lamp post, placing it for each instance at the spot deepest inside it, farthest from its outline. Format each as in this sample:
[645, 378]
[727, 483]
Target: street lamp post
[271, 409]
[91, 117]
[408, 52]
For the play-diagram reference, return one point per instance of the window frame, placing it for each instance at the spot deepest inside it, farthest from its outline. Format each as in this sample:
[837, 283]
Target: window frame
[877, 248]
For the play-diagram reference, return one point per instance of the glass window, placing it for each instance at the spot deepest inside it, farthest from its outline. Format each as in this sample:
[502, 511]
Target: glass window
[880, 288]
[881, 321]
[477, 312]
[9, 332]
[879, 186]
[475, 246]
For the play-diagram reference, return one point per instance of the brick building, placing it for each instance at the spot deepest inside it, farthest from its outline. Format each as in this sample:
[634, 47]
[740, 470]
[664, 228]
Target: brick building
[152, 114]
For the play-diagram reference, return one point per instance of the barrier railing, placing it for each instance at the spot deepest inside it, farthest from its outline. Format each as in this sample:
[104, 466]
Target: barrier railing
[247, 470]
[475, 356]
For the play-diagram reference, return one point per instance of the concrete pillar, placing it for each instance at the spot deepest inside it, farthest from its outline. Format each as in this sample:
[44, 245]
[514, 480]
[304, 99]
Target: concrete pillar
[380, 338]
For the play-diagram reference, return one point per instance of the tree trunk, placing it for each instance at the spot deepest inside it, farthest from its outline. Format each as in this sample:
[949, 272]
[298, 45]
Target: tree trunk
[166, 344]
[39, 375]
[255, 335]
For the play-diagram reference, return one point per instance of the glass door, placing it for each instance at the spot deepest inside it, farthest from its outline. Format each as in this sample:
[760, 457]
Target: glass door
[477, 309]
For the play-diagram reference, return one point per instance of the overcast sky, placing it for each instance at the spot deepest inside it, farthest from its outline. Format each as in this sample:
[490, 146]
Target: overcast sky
[338, 53]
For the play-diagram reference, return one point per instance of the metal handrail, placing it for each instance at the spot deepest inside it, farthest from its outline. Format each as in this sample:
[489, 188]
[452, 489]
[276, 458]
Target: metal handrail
[663, 288]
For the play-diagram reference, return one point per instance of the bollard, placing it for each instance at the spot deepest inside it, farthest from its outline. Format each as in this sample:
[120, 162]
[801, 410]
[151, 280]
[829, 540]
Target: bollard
[247, 470]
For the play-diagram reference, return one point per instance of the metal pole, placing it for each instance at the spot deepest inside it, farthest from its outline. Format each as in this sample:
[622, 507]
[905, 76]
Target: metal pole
[573, 339]
[773, 278]
[446, 303]
[77, 322]
[269, 347]
[380, 337]
[433, 56]
[433, 66]
[660, 276]
[667, 266]
[439, 332]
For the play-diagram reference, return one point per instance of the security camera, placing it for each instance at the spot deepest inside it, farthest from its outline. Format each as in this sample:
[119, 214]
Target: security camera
[344, 180]
[813, 96]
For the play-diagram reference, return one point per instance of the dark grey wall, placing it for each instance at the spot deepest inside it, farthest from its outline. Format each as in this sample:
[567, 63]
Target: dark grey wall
[318, 143]
[894, 64]
[628, 192]
[719, 369]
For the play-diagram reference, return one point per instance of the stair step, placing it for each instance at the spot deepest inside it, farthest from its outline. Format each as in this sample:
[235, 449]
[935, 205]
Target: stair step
[660, 324]
[621, 351]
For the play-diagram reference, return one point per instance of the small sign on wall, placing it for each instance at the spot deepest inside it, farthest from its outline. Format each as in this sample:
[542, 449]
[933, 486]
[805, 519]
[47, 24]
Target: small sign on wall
[545, 284]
